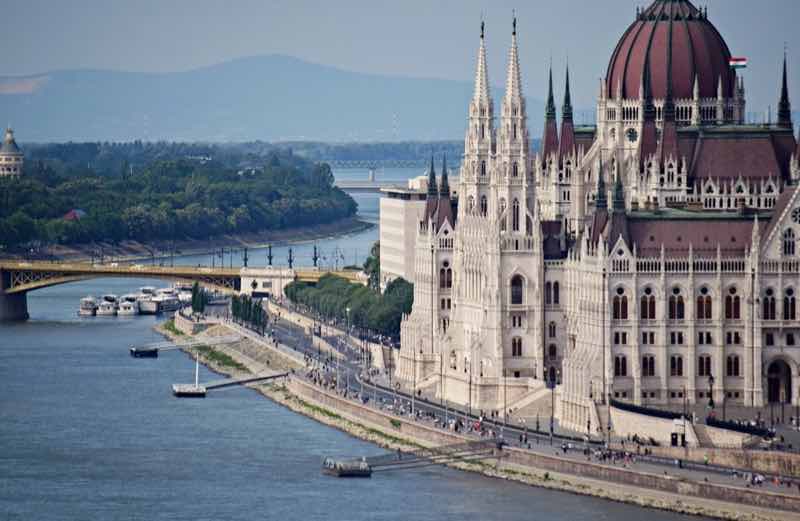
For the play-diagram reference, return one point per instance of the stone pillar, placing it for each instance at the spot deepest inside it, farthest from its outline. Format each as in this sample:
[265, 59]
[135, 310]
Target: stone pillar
[13, 306]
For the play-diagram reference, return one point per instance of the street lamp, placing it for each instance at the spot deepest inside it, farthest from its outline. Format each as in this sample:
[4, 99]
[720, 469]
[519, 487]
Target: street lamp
[711, 391]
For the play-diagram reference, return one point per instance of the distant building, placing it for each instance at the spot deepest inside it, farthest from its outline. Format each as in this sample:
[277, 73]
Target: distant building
[11, 158]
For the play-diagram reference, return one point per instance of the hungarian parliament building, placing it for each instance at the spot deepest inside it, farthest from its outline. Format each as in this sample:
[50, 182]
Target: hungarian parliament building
[630, 260]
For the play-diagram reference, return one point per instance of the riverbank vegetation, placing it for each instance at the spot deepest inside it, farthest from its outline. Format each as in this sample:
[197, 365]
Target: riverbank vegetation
[333, 296]
[182, 193]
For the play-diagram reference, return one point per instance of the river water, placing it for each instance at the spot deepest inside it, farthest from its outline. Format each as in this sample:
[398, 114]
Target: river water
[89, 433]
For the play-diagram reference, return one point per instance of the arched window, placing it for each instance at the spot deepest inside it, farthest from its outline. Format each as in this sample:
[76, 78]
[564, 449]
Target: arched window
[788, 242]
[445, 276]
[515, 215]
[483, 168]
[551, 330]
[620, 305]
[517, 284]
[732, 366]
[732, 305]
[789, 309]
[483, 134]
[503, 217]
[704, 365]
[648, 365]
[620, 366]
[470, 203]
[516, 347]
[555, 293]
[442, 278]
[647, 308]
[704, 305]
[768, 305]
[515, 169]
[552, 351]
[484, 206]
[548, 293]
[676, 305]
[676, 365]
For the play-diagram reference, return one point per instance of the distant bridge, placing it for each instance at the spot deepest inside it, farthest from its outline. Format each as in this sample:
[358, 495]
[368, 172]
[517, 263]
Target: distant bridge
[17, 278]
[376, 163]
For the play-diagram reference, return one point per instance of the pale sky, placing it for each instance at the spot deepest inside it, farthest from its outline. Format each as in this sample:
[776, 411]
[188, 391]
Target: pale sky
[404, 38]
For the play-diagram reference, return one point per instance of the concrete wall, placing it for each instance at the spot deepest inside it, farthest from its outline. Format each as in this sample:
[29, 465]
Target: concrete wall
[625, 423]
[13, 306]
[186, 325]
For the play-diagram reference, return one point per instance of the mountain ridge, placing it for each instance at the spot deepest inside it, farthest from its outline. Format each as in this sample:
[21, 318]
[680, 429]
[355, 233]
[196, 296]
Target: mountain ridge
[272, 97]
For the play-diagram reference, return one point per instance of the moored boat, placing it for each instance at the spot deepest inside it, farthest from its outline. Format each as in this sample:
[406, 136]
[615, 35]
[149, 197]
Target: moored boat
[88, 307]
[106, 309]
[346, 469]
[128, 309]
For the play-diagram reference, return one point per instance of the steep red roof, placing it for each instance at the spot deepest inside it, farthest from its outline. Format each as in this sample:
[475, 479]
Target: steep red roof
[729, 156]
[696, 49]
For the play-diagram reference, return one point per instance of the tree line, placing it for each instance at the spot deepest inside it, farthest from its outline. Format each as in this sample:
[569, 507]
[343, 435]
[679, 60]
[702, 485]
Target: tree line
[249, 312]
[171, 198]
[333, 296]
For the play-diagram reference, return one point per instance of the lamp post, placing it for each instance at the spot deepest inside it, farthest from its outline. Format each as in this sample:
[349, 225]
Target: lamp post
[553, 403]
[505, 401]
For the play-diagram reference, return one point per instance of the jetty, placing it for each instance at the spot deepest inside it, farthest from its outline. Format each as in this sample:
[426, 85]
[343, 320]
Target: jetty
[365, 466]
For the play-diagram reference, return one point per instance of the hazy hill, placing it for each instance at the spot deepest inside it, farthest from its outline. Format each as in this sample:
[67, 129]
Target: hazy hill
[265, 97]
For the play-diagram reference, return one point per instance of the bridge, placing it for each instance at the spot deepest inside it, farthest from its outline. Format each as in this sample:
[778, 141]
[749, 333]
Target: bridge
[17, 278]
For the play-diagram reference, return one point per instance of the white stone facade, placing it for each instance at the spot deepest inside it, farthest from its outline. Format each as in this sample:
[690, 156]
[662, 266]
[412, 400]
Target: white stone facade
[686, 276]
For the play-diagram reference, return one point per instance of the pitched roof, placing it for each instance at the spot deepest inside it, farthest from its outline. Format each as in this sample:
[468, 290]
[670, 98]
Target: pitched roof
[781, 204]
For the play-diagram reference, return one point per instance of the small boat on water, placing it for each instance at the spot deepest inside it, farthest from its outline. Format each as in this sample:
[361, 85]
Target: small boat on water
[88, 307]
[346, 469]
[184, 292]
[106, 309]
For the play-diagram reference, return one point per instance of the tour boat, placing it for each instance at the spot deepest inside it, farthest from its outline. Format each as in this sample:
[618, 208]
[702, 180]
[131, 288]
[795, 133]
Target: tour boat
[184, 292]
[128, 308]
[88, 307]
[107, 309]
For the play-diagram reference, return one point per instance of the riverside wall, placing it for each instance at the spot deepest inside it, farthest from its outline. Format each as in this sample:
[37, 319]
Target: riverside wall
[514, 459]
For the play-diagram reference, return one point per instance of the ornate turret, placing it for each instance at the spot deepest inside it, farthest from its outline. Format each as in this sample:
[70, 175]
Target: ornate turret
[669, 134]
[784, 107]
[444, 210]
[10, 156]
[648, 144]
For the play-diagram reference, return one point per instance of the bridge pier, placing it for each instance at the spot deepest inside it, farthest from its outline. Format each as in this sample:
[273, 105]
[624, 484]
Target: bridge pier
[13, 306]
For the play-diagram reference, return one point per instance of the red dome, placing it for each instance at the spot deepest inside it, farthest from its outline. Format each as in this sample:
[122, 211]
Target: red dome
[696, 48]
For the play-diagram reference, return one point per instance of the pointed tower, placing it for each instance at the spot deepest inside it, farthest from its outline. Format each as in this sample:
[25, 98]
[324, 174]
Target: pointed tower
[550, 137]
[669, 135]
[444, 211]
[648, 144]
[433, 194]
[476, 169]
[512, 144]
[784, 107]
[567, 140]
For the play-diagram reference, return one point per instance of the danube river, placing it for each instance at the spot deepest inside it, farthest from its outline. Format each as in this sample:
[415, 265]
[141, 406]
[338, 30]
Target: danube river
[88, 433]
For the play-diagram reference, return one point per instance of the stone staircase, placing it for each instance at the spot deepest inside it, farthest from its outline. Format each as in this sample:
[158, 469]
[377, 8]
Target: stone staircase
[703, 439]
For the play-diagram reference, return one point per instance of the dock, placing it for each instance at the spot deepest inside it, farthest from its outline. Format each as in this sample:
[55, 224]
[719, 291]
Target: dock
[364, 467]
[188, 391]
[198, 390]
[151, 350]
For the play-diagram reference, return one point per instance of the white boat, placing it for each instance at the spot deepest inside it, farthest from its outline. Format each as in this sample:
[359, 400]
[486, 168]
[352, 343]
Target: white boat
[167, 299]
[88, 307]
[184, 292]
[111, 299]
[148, 306]
[147, 290]
[128, 309]
[107, 309]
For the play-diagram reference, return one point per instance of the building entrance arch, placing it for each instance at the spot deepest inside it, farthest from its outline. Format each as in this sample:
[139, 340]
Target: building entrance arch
[779, 382]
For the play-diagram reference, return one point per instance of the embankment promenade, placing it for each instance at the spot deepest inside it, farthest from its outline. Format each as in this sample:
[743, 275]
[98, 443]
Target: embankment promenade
[667, 490]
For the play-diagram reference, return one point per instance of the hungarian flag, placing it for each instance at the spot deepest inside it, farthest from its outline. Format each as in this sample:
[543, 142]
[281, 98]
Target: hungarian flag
[738, 62]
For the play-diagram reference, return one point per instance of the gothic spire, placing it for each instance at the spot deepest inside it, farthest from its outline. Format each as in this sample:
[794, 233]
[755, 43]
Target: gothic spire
[444, 188]
[566, 109]
[432, 190]
[601, 201]
[619, 196]
[648, 141]
[784, 107]
[513, 81]
[550, 137]
[481, 94]
[550, 110]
